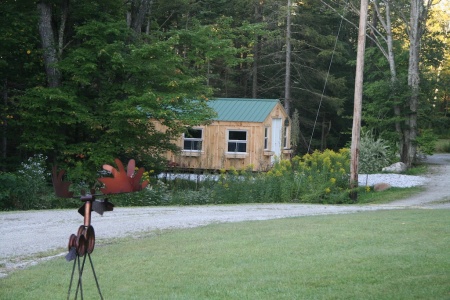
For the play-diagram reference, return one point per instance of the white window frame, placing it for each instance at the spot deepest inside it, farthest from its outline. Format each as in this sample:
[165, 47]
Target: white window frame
[193, 140]
[266, 138]
[237, 141]
[285, 137]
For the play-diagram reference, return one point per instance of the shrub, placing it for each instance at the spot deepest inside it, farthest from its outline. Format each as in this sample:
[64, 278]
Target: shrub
[374, 153]
[27, 188]
[320, 177]
[158, 194]
[443, 146]
[426, 141]
[9, 190]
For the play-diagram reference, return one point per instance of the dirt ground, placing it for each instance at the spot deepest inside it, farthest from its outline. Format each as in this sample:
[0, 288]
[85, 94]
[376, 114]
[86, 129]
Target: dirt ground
[32, 236]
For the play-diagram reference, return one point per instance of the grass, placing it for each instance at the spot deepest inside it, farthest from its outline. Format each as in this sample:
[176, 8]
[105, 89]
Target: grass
[443, 146]
[400, 254]
[418, 170]
[388, 195]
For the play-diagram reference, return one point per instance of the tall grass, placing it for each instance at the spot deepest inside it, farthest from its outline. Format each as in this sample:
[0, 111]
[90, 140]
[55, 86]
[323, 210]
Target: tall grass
[443, 146]
[320, 177]
[373, 255]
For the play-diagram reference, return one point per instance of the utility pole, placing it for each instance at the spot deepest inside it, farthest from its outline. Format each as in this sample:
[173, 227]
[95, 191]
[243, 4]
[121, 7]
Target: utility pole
[287, 83]
[357, 108]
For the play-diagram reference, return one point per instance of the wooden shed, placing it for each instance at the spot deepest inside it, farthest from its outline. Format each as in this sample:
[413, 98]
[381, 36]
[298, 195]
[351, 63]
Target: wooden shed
[247, 133]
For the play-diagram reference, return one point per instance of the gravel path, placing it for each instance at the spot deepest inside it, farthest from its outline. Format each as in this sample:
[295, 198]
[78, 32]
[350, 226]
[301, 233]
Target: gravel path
[25, 234]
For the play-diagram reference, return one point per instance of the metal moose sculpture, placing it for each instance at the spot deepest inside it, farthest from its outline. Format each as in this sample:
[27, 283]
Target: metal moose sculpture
[82, 244]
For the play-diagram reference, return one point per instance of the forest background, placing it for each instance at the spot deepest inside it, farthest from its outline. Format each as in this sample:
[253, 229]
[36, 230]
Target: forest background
[80, 79]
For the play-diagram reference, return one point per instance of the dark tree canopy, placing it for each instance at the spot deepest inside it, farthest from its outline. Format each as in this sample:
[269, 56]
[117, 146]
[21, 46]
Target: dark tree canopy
[81, 79]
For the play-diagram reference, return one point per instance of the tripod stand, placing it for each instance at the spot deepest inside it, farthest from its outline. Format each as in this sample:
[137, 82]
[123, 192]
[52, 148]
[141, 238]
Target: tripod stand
[76, 263]
[82, 245]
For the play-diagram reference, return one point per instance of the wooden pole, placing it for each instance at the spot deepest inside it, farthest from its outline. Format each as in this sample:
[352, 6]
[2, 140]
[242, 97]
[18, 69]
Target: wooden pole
[357, 108]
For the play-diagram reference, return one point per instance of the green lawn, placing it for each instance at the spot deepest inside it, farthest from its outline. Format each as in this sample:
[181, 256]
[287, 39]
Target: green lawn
[401, 254]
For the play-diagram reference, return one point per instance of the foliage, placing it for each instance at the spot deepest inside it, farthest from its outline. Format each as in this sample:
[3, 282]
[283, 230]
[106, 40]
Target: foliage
[150, 196]
[374, 153]
[426, 140]
[320, 177]
[27, 188]
[114, 78]
[443, 146]
[112, 89]
[21, 67]
[320, 73]
[9, 190]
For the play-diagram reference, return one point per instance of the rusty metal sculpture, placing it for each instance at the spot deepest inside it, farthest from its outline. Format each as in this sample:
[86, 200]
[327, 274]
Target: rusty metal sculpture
[82, 244]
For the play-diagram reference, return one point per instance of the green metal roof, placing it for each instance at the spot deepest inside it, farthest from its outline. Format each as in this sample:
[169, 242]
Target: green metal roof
[242, 109]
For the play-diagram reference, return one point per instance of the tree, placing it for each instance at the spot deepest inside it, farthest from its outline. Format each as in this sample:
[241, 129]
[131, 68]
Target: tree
[20, 68]
[418, 17]
[323, 76]
[104, 84]
[405, 112]
[51, 44]
[112, 89]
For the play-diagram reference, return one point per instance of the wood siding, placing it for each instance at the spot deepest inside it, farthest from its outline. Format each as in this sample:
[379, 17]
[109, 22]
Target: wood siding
[214, 154]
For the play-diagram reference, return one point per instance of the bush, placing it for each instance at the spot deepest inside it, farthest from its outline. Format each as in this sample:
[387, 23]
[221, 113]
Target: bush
[426, 141]
[9, 191]
[321, 177]
[27, 188]
[443, 146]
[157, 194]
[374, 153]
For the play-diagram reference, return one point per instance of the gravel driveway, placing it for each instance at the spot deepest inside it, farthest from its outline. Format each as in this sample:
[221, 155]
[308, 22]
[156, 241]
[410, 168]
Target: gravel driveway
[25, 234]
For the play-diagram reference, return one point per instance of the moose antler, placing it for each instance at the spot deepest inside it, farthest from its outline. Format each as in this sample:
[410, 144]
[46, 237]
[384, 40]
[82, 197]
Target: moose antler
[123, 181]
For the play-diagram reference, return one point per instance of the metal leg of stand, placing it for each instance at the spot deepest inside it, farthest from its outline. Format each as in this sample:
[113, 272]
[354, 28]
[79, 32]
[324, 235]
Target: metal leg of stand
[80, 278]
[80, 265]
[95, 277]
[71, 278]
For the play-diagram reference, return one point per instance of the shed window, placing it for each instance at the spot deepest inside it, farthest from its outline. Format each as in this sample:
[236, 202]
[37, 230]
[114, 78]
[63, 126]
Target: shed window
[285, 137]
[237, 141]
[193, 140]
[266, 138]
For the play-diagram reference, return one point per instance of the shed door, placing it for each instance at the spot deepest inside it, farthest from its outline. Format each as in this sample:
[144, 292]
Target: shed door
[276, 138]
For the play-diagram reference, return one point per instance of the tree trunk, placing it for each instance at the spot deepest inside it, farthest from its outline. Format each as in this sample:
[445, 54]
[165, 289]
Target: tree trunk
[255, 71]
[48, 44]
[287, 82]
[139, 9]
[62, 26]
[256, 54]
[393, 71]
[418, 16]
[5, 123]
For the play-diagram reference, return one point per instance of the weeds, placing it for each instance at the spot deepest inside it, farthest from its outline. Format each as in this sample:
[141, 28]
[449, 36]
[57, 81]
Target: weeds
[320, 177]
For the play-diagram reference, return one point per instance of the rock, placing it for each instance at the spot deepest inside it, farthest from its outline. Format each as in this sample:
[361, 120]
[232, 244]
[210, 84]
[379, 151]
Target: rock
[379, 187]
[398, 167]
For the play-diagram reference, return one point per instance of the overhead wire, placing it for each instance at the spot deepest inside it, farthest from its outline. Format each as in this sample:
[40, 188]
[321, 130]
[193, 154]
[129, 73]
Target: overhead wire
[326, 77]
